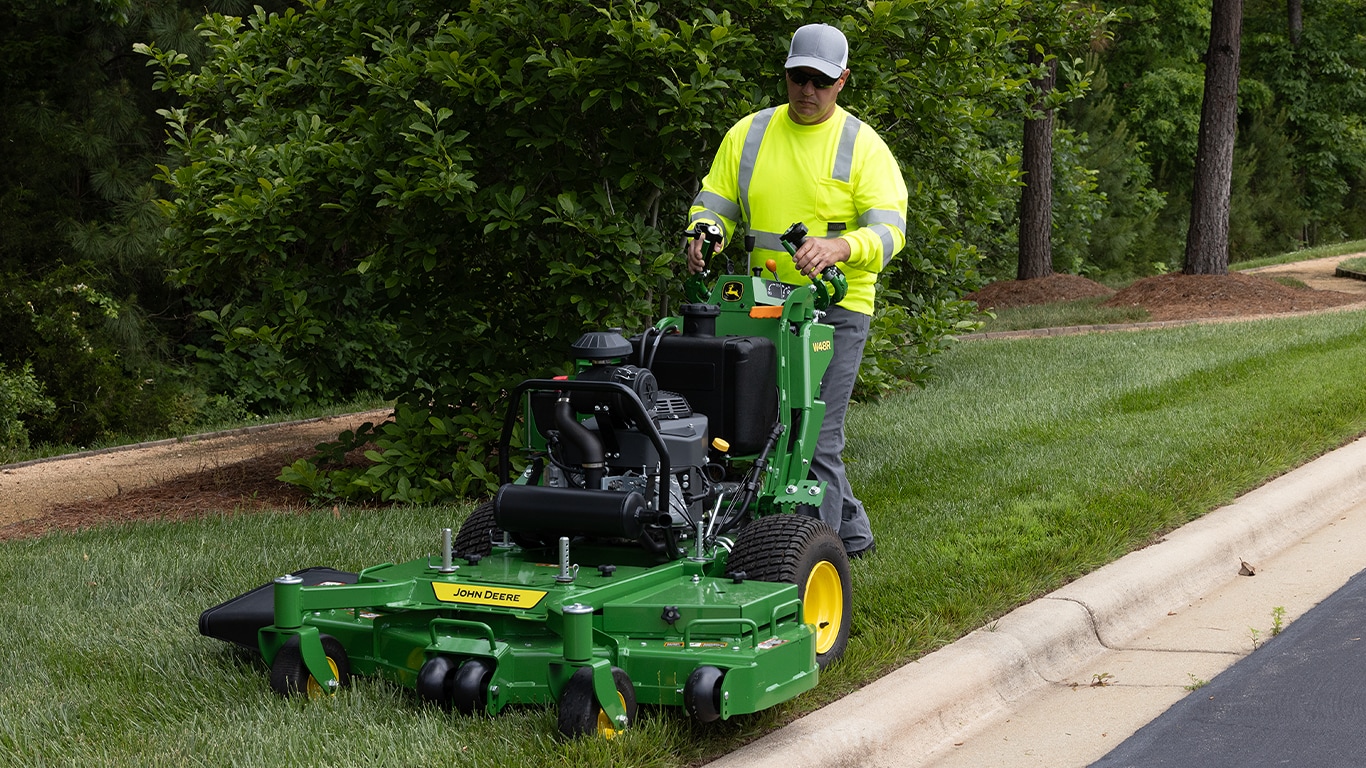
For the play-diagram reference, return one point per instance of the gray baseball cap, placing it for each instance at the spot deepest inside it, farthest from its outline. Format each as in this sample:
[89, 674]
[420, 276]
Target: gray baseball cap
[820, 47]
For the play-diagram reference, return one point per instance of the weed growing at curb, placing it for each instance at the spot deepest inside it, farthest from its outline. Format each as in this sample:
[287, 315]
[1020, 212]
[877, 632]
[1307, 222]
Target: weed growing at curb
[1195, 684]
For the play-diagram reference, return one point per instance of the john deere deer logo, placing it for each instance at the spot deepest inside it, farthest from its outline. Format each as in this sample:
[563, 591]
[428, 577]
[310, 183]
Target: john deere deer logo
[732, 291]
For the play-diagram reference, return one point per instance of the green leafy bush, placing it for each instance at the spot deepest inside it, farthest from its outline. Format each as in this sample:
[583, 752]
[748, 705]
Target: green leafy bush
[74, 339]
[431, 201]
[20, 395]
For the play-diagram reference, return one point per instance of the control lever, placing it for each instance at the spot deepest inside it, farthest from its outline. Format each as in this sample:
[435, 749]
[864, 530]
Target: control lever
[695, 287]
[792, 239]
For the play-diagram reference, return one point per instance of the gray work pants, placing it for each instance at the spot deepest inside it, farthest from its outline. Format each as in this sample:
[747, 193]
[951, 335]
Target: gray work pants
[839, 508]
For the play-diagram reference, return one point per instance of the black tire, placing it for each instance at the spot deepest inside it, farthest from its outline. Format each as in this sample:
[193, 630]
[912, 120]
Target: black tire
[470, 686]
[580, 714]
[434, 678]
[289, 675]
[796, 549]
[452, 684]
[702, 694]
[477, 532]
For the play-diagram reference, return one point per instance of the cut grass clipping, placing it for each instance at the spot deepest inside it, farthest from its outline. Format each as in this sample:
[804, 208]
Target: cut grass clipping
[1024, 464]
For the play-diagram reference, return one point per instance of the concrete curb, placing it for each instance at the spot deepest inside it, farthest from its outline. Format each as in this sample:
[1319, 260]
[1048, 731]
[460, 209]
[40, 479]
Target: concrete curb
[905, 717]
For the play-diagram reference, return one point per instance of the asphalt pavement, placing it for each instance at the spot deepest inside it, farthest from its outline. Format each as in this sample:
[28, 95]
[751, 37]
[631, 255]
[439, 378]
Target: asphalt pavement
[1297, 701]
[1068, 679]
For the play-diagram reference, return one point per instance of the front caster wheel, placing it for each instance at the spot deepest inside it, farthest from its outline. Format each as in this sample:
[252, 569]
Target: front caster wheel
[289, 675]
[580, 714]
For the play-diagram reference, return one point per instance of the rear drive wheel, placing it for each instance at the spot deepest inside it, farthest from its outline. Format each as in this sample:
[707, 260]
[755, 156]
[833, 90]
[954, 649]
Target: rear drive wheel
[580, 714]
[289, 675]
[801, 550]
[476, 533]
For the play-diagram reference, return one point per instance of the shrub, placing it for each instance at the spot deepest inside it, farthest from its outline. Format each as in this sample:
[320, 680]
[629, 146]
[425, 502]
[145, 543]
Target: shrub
[434, 202]
[20, 395]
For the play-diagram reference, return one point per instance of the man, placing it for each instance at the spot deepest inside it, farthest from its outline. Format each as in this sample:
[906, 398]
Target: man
[813, 162]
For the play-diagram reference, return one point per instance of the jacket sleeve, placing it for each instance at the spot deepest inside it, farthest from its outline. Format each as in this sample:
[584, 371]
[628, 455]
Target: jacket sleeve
[880, 196]
[719, 200]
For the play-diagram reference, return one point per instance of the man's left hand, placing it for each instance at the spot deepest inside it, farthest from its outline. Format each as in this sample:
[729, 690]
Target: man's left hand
[817, 253]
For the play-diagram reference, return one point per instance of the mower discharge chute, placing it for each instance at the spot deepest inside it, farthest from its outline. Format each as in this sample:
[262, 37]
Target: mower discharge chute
[652, 551]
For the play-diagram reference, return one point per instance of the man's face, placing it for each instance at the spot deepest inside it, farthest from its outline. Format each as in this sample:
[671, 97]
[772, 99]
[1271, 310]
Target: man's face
[809, 104]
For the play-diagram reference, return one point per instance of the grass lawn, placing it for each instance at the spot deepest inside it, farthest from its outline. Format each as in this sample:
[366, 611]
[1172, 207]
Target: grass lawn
[1062, 314]
[1024, 464]
[1355, 264]
[1317, 252]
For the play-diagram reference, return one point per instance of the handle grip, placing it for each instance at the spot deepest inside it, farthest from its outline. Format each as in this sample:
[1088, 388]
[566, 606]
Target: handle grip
[695, 286]
[792, 239]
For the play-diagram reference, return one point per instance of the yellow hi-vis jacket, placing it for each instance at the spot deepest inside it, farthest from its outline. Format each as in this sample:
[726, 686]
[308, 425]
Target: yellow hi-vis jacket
[838, 177]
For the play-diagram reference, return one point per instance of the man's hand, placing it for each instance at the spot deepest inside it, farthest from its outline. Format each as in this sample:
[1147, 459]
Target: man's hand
[817, 253]
[696, 262]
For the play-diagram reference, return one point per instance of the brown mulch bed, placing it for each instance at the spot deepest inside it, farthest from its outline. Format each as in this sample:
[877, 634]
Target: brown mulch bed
[1170, 297]
[247, 486]
[1005, 294]
[1186, 297]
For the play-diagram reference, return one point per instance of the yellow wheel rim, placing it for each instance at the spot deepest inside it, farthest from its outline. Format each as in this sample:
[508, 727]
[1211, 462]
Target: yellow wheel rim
[315, 690]
[606, 728]
[823, 600]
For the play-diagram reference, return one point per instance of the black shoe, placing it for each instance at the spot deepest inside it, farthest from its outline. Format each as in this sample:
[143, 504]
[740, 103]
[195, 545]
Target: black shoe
[868, 550]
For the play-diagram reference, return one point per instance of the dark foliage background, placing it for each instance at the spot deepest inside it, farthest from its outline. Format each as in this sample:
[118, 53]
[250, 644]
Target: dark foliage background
[209, 209]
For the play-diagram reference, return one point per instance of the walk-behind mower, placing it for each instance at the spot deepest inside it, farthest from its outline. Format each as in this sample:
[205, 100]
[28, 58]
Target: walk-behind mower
[653, 549]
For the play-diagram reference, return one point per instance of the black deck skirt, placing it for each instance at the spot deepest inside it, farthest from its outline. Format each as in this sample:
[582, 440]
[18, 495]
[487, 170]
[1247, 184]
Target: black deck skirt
[239, 619]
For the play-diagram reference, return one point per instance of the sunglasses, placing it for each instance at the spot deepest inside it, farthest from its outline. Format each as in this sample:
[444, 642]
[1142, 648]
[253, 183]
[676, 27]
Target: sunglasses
[800, 79]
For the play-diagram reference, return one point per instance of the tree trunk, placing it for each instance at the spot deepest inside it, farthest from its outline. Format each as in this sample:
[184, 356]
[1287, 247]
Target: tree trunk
[1295, 11]
[1207, 239]
[1036, 198]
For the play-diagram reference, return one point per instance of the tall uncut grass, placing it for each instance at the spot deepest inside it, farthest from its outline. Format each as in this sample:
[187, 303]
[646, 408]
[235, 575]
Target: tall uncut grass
[1024, 464]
